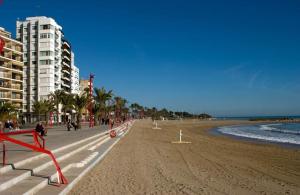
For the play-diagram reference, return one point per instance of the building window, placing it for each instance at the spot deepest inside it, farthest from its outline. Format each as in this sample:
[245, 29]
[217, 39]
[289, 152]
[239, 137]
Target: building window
[34, 27]
[46, 35]
[33, 62]
[47, 26]
[43, 36]
[46, 62]
[46, 53]
[45, 80]
[34, 53]
[34, 36]
[43, 71]
[44, 89]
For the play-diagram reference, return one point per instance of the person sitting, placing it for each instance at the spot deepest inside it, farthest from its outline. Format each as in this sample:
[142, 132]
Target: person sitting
[40, 129]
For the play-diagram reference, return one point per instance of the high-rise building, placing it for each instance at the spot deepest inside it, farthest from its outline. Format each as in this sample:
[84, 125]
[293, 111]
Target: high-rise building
[75, 87]
[66, 66]
[47, 59]
[11, 70]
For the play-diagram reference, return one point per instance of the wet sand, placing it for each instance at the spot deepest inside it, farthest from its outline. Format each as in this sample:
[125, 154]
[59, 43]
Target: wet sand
[146, 162]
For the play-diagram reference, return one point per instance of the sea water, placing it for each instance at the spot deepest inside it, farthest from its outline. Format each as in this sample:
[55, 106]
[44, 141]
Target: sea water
[278, 132]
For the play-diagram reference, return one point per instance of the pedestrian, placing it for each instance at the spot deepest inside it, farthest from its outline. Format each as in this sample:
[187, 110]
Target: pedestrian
[6, 124]
[40, 129]
[1, 127]
[69, 125]
[11, 125]
[75, 126]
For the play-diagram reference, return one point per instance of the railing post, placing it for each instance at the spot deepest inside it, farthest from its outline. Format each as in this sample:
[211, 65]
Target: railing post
[3, 154]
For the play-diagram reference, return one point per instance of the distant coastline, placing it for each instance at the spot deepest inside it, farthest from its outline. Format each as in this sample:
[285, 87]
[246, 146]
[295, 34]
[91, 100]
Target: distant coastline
[295, 118]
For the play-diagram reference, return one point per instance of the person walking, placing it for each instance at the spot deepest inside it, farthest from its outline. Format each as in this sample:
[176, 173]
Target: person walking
[75, 126]
[69, 125]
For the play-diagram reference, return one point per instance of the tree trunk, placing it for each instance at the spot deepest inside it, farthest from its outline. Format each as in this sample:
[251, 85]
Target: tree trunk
[78, 120]
[39, 117]
[57, 114]
[65, 116]
[96, 118]
[46, 117]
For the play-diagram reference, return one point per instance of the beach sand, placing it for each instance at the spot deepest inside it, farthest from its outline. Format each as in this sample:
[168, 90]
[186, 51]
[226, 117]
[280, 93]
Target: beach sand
[145, 162]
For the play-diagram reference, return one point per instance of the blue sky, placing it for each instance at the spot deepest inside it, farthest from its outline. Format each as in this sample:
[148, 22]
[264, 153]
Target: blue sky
[227, 58]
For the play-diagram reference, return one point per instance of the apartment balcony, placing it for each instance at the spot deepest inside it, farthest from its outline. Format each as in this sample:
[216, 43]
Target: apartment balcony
[65, 85]
[16, 87]
[5, 96]
[67, 58]
[5, 65]
[64, 63]
[66, 50]
[17, 104]
[5, 75]
[66, 78]
[13, 48]
[16, 68]
[17, 77]
[67, 44]
[15, 60]
[5, 85]
[17, 97]
[66, 71]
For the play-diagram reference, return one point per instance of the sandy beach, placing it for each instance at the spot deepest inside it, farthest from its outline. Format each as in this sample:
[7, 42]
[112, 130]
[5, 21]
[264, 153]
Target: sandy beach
[146, 162]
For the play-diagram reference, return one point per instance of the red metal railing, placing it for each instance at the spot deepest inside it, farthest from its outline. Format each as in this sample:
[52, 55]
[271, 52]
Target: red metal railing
[37, 146]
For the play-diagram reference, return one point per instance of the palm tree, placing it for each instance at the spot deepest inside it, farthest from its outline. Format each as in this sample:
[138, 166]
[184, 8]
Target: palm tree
[56, 98]
[137, 109]
[80, 103]
[96, 111]
[67, 102]
[120, 105]
[49, 107]
[39, 107]
[6, 110]
[102, 97]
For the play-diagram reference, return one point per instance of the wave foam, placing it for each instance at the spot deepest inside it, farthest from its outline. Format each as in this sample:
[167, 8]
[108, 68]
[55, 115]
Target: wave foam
[236, 132]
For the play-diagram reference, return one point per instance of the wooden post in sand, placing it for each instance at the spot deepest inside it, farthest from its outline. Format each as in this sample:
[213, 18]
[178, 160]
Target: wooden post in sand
[156, 126]
[180, 139]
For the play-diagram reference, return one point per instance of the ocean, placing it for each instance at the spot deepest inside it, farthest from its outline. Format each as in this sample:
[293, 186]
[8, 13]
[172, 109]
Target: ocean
[287, 133]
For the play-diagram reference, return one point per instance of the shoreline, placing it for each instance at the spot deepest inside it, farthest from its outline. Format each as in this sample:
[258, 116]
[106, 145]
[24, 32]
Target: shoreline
[214, 131]
[146, 162]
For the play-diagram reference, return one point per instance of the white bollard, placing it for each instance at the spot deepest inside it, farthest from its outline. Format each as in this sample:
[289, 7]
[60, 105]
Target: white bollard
[180, 139]
[180, 134]
[58, 179]
[156, 125]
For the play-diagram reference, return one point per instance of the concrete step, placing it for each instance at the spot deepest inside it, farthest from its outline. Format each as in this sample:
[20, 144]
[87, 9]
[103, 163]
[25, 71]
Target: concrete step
[38, 173]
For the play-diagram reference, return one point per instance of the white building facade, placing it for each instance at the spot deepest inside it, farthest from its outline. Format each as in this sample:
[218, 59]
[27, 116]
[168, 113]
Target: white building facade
[75, 86]
[47, 60]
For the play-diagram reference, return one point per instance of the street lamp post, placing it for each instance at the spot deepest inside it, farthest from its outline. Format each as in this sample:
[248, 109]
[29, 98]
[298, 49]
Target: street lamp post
[91, 115]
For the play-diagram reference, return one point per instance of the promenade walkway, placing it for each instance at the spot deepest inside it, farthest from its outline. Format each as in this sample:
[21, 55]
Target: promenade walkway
[29, 172]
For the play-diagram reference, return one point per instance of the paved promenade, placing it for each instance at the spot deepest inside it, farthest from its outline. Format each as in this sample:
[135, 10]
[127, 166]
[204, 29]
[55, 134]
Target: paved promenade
[31, 172]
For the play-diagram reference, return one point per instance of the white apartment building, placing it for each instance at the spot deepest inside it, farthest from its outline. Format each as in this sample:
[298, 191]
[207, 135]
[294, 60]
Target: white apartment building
[75, 87]
[47, 59]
